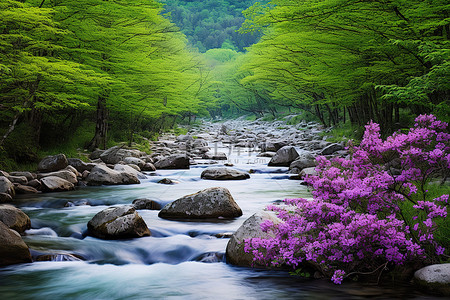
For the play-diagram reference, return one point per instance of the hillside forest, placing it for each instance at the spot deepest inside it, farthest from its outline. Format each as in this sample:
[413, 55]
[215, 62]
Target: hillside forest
[89, 74]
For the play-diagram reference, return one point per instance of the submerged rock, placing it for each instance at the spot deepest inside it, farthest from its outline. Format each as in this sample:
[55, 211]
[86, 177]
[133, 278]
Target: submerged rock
[53, 163]
[14, 218]
[146, 204]
[251, 228]
[221, 173]
[209, 203]
[434, 278]
[59, 257]
[13, 249]
[118, 223]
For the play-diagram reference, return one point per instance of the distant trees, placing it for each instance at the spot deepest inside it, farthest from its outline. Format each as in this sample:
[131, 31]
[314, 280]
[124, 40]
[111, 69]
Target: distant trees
[209, 24]
[352, 59]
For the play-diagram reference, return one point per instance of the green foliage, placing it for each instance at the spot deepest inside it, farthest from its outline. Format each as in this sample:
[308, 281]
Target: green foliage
[211, 24]
[361, 58]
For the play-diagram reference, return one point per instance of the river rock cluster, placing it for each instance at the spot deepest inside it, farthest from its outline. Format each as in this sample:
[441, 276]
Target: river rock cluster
[293, 147]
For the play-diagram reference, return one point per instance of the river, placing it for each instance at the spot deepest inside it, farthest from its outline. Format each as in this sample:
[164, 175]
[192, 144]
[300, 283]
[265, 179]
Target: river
[181, 260]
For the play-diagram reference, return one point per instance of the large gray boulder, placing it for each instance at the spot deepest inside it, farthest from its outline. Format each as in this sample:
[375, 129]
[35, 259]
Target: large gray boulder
[285, 156]
[134, 161]
[177, 161]
[30, 176]
[434, 278]
[118, 223]
[130, 170]
[64, 174]
[7, 186]
[18, 179]
[102, 175]
[80, 165]
[14, 218]
[251, 228]
[56, 184]
[206, 204]
[53, 163]
[222, 173]
[13, 249]
[330, 149]
[117, 153]
[304, 160]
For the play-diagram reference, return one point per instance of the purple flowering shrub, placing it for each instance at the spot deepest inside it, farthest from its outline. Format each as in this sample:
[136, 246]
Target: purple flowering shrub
[369, 210]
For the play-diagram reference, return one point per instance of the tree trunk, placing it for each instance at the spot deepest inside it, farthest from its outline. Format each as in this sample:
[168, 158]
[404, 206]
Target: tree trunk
[101, 127]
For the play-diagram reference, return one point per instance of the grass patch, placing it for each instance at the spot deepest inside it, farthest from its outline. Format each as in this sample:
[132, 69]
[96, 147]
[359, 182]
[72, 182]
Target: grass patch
[344, 133]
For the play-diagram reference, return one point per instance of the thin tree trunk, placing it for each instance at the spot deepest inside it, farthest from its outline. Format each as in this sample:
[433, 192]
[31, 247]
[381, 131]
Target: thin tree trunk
[101, 126]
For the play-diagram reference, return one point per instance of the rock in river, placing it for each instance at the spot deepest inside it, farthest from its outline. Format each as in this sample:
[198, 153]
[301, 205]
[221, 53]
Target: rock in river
[224, 174]
[14, 218]
[118, 223]
[251, 228]
[102, 175]
[209, 203]
[178, 161]
[434, 278]
[285, 156]
[56, 184]
[13, 249]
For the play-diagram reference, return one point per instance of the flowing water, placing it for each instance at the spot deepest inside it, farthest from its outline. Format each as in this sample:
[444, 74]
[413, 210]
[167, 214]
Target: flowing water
[181, 260]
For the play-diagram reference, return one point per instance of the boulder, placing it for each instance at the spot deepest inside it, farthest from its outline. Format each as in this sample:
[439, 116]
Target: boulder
[308, 172]
[285, 156]
[28, 175]
[222, 173]
[18, 179]
[330, 149]
[134, 161]
[146, 204]
[96, 154]
[209, 203]
[102, 175]
[434, 278]
[129, 170]
[251, 228]
[80, 165]
[118, 223]
[25, 189]
[116, 154]
[304, 160]
[14, 218]
[53, 163]
[7, 186]
[219, 156]
[4, 198]
[166, 181]
[13, 249]
[63, 174]
[177, 161]
[185, 138]
[56, 184]
[148, 167]
[35, 183]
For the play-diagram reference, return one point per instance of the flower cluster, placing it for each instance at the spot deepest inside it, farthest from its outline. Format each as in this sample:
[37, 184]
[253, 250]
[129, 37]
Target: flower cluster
[355, 222]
